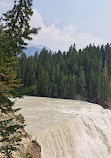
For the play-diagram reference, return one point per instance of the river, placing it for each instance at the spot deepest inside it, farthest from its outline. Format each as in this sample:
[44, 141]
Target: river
[67, 128]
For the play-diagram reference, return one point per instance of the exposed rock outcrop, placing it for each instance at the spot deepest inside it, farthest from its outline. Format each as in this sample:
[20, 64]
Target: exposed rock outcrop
[27, 148]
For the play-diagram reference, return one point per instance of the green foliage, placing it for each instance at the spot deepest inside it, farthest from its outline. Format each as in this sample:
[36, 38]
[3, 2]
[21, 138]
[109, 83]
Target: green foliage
[28, 155]
[83, 74]
[105, 88]
[10, 136]
[14, 31]
[17, 25]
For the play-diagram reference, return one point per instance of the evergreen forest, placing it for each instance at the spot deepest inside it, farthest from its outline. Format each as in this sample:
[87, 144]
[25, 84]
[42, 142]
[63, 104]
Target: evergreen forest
[83, 74]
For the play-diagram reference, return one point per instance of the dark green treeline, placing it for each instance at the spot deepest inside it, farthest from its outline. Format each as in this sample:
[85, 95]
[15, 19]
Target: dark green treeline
[83, 74]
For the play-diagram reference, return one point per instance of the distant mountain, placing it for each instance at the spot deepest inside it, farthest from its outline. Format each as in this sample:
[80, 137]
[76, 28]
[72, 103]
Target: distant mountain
[31, 50]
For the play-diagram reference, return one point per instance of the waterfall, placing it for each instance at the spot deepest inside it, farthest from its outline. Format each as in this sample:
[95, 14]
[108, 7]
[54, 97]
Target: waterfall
[68, 128]
[78, 138]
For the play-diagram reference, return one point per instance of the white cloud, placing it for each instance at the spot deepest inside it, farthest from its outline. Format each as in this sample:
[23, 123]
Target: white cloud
[56, 38]
[36, 20]
[5, 5]
[69, 29]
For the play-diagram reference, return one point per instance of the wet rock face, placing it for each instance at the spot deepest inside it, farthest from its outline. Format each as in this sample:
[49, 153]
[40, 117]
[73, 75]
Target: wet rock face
[67, 128]
[27, 147]
[34, 149]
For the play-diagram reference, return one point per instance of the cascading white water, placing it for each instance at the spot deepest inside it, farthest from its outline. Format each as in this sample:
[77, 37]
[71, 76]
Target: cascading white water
[68, 128]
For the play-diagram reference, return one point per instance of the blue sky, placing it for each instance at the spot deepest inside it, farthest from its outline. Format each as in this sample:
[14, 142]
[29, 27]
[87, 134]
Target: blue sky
[64, 22]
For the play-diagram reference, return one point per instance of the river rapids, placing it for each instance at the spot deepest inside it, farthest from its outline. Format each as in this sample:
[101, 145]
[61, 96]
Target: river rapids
[67, 128]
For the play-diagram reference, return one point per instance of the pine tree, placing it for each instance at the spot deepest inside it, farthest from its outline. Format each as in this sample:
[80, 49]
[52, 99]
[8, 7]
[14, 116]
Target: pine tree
[15, 30]
[73, 74]
[17, 26]
[81, 82]
[105, 84]
[54, 84]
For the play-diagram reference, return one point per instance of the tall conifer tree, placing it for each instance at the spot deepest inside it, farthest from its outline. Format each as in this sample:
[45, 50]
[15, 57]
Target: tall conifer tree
[15, 30]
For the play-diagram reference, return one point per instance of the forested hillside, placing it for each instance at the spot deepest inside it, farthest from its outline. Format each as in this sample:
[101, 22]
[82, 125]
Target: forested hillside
[83, 74]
